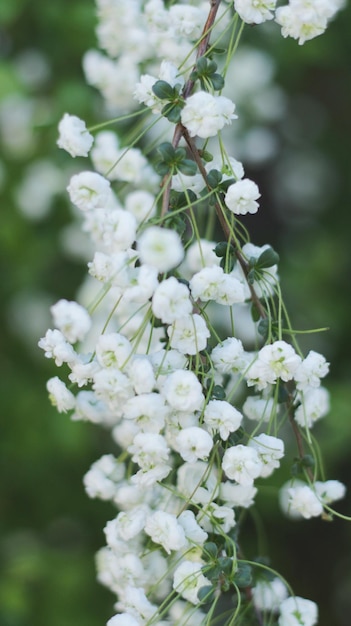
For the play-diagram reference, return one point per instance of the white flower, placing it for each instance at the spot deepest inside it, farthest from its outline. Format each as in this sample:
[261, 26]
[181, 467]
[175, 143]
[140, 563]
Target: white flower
[171, 300]
[204, 115]
[315, 404]
[231, 168]
[112, 386]
[89, 408]
[141, 374]
[115, 229]
[73, 136]
[227, 356]
[212, 283]
[195, 482]
[188, 334]
[267, 595]
[181, 182]
[59, 395]
[142, 204]
[112, 350]
[89, 190]
[56, 347]
[276, 360]
[311, 370]
[187, 21]
[147, 410]
[127, 524]
[330, 490]
[161, 248]
[270, 450]
[296, 611]
[258, 408]
[242, 464]
[237, 495]
[133, 600]
[102, 478]
[200, 254]
[71, 319]
[164, 528]
[188, 579]
[299, 500]
[255, 11]
[149, 450]
[105, 152]
[183, 391]
[222, 417]
[241, 197]
[301, 20]
[216, 519]
[194, 443]
[83, 370]
[193, 532]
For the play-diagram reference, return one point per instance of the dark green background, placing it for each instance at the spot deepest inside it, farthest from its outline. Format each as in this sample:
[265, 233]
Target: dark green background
[49, 528]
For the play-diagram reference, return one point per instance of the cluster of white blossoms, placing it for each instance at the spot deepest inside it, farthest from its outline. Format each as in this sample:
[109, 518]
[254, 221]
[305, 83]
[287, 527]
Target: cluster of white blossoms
[195, 416]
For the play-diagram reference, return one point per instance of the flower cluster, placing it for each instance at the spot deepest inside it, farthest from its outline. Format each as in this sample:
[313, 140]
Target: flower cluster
[196, 416]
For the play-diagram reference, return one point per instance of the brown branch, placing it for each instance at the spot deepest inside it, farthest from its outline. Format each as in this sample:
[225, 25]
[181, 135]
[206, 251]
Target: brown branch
[187, 89]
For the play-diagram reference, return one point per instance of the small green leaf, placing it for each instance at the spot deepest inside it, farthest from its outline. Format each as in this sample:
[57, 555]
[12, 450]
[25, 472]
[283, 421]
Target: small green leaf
[206, 156]
[226, 565]
[268, 258]
[218, 393]
[221, 248]
[214, 178]
[201, 65]
[255, 314]
[166, 151]
[187, 167]
[243, 575]
[172, 112]
[209, 551]
[263, 327]
[217, 81]
[164, 90]
[227, 263]
[308, 461]
[162, 168]
[206, 594]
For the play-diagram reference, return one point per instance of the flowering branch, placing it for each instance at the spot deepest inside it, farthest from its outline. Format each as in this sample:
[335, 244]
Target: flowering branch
[156, 372]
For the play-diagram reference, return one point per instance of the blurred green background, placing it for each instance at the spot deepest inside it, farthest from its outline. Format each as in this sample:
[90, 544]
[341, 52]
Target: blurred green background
[49, 528]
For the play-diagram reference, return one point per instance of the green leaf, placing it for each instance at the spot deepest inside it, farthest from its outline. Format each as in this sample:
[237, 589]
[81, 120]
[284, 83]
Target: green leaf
[212, 571]
[164, 90]
[201, 65]
[166, 151]
[308, 461]
[218, 393]
[217, 81]
[243, 575]
[206, 156]
[209, 551]
[162, 168]
[221, 248]
[172, 112]
[263, 327]
[187, 167]
[206, 594]
[268, 258]
[227, 263]
[226, 564]
[214, 177]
